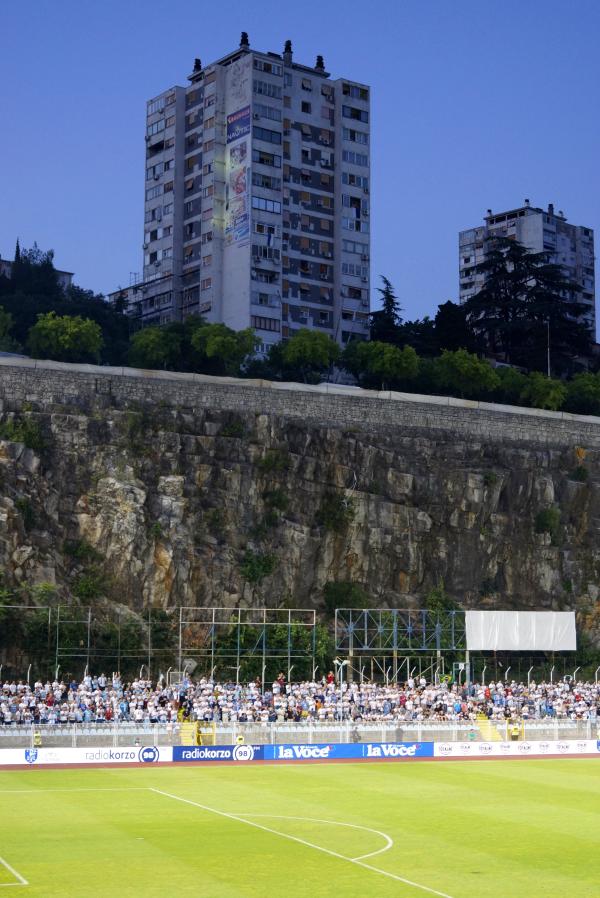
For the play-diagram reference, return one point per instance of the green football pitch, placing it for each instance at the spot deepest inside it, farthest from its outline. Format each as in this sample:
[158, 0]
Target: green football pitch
[505, 829]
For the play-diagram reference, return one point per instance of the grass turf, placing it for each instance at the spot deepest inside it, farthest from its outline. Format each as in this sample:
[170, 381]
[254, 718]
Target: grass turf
[505, 829]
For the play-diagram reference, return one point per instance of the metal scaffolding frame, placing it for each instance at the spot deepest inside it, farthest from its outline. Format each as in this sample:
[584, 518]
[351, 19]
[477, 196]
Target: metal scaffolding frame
[179, 638]
[389, 638]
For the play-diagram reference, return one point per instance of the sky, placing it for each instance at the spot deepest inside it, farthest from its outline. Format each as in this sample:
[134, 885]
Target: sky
[474, 105]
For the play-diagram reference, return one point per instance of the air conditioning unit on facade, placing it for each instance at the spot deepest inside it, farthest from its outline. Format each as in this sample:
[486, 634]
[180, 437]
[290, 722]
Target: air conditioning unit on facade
[365, 190]
[365, 257]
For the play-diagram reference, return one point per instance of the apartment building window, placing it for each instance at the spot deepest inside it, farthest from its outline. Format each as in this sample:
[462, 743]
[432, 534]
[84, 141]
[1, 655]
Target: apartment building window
[207, 169]
[265, 252]
[262, 227]
[306, 84]
[258, 202]
[327, 92]
[267, 89]
[325, 224]
[355, 224]
[166, 232]
[270, 112]
[155, 106]
[154, 171]
[325, 136]
[355, 270]
[264, 324]
[170, 121]
[266, 181]
[211, 77]
[325, 249]
[353, 90]
[153, 192]
[167, 252]
[355, 136]
[209, 123]
[155, 128]
[355, 158]
[210, 101]
[355, 180]
[306, 107]
[206, 284]
[359, 115]
[287, 102]
[267, 135]
[208, 191]
[209, 145]
[193, 119]
[266, 158]
[168, 208]
[265, 277]
[189, 185]
[351, 246]
[168, 187]
[271, 68]
[207, 237]
[325, 180]
[206, 261]
[188, 207]
[207, 214]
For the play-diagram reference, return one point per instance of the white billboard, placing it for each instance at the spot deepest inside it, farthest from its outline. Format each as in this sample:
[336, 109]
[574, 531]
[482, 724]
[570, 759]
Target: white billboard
[517, 631]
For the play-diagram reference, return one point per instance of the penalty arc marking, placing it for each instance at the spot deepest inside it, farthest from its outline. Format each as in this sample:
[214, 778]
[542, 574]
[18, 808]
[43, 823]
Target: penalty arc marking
[276, 832]
[389, 841]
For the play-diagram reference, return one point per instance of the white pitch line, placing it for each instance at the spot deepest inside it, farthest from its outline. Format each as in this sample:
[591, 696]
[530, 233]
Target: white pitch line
[42, 791]
[367, 829]
[22, 881]
[342, 857]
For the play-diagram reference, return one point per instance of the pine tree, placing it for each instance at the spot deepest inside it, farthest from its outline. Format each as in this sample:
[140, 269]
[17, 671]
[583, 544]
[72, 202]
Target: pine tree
[385, 322]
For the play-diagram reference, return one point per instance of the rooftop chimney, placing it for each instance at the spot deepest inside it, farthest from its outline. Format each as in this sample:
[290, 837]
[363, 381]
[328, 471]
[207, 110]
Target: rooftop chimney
[244, 42]
[197, 65]
[489, 212]
[320, 64]
[287, 53]
[550, 208]
[526, 202]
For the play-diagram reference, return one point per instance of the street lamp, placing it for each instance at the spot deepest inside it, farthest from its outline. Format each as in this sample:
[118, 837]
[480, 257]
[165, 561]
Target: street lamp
[340, 665]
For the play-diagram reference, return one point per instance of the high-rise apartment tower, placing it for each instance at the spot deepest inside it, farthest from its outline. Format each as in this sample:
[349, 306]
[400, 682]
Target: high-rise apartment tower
[257, 199]
[567, 245]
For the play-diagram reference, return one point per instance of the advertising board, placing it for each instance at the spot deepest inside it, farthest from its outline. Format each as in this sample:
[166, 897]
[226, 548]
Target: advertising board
[147, 754]
[515, 749]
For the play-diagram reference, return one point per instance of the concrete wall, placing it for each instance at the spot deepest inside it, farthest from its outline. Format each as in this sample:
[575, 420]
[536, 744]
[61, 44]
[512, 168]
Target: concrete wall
[50, 383]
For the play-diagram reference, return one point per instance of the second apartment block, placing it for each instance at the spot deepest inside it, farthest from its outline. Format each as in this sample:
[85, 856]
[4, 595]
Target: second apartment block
[257, 204]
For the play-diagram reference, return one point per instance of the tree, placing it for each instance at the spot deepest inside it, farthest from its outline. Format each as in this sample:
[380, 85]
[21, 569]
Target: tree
[583, 394]
[155, 347]
[464, 373]
[220, 350]
[420, 334]
[65, 338]
[385, 322]
[380, 365]
[523, 296]
[512, 383]
[7, 344]
[310, 353]
[33, 289]
[452, 329]
[544, 392]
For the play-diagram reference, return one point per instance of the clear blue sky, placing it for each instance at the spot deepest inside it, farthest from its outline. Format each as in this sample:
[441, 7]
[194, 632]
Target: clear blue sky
[475, 105]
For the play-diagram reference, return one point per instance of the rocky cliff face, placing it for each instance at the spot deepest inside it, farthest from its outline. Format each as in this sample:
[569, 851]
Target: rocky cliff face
[164, 505]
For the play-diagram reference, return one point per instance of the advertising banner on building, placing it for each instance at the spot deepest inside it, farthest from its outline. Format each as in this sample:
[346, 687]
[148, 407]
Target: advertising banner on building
[238, 124]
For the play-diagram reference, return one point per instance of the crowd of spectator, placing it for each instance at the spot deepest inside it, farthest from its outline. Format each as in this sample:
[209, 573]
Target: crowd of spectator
[101, 699]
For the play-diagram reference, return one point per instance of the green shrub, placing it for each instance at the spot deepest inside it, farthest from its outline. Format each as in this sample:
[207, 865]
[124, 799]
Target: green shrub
[234, 429]
[344, 594]
[490, 478]
[89, 586]
[24, 430]
[548, 521]
[273, 461]
[276, 499]
[80, 550]
[156, 530]
[336, 513]
[257, 565]
[25, 507]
